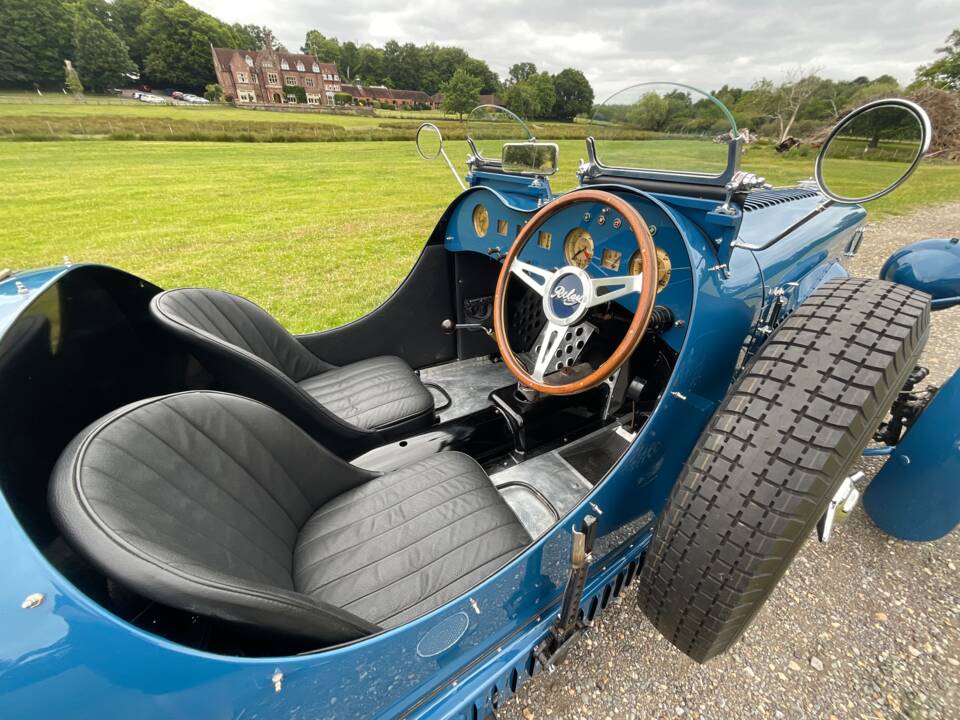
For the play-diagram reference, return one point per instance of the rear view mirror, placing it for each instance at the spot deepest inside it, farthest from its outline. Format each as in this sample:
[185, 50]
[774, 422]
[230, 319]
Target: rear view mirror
[529, 157]
[430, 147]
[873, 150]
[429, 141]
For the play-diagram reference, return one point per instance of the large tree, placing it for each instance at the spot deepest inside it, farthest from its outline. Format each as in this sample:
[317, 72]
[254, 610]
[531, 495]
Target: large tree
[784, 101]
[127, 16]
[369, 68]
[461, 93]
[574, 94]
[321, 47]
[944, 72]
[521, 99]
[521, 71]
[176, 39]
[254, 37]
[35, 39]
[349, 60]
[100, 56]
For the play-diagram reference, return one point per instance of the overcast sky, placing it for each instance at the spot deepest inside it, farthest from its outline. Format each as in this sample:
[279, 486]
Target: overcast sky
[620, 42]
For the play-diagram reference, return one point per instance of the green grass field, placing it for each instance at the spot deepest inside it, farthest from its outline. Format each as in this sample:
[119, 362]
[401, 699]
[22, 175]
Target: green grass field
[282, 223]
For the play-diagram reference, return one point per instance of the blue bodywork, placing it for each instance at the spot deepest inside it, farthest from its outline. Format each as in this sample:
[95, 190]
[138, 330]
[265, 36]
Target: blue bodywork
[932, 266]
[916, 494]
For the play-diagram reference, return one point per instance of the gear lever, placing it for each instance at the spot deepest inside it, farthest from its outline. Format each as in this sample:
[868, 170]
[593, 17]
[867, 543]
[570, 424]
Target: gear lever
[449, 327]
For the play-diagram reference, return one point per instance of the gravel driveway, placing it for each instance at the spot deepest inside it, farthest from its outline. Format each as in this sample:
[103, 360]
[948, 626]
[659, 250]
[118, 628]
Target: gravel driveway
[863, 627]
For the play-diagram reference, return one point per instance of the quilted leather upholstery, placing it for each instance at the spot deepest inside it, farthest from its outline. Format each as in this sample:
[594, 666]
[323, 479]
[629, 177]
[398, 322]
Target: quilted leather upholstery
[407, 542]
[374, 393]
[219, 505]
[243, 324]
[350, 409]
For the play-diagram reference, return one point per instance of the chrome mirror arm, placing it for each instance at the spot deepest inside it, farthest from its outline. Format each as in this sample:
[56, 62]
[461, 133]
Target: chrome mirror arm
[456, 175]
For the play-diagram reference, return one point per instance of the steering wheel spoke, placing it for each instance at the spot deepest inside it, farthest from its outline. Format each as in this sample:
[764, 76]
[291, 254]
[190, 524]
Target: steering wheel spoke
[536, 278]
[606, 289]
[546, 352]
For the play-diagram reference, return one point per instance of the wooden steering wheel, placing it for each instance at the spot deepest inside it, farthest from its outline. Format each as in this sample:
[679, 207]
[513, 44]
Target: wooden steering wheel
[568, 294]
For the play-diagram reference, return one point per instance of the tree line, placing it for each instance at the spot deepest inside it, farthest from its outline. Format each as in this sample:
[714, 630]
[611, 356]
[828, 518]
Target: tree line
[167, 43]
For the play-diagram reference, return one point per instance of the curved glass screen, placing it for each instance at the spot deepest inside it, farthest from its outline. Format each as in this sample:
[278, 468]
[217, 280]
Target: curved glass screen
[663, 127]
[490, 126]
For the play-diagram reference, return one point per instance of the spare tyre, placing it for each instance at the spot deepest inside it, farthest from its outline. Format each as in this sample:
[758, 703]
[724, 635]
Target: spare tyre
[773, 456]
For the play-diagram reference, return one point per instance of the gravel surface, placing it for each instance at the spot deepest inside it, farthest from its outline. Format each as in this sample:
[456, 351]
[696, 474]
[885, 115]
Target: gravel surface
[863, 627]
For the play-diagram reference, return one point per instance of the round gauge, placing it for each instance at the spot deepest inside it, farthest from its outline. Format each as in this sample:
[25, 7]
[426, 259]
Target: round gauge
[481, 220]
[578, 247]
[664, 268]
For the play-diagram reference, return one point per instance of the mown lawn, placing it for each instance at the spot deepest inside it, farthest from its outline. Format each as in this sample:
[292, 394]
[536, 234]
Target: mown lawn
[318, 233]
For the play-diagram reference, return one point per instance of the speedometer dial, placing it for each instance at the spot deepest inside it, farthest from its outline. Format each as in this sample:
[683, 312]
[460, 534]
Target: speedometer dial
[664, 267]
[578, 248]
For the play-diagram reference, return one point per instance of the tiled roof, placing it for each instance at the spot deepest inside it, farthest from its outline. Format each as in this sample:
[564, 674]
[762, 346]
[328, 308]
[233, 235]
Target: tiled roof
[225, 55]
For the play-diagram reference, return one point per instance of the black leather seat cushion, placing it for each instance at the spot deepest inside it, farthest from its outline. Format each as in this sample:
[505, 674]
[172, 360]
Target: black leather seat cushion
[349, 409]
[219, 505]
[407, 542]
[372, 394]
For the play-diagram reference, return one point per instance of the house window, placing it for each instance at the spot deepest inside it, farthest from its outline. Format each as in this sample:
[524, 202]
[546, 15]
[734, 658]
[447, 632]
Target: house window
[335, 88]
[289, 80]
[272, 79]
[313, 99]
[291, 98]
[249, 60]
[241, 77]
[309, 81]
[316, 68]
[337, 77]
[300, 66]
[247, 97]
[283, 65]
[266, 63]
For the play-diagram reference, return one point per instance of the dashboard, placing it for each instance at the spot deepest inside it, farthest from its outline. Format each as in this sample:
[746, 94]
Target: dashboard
[589, 235]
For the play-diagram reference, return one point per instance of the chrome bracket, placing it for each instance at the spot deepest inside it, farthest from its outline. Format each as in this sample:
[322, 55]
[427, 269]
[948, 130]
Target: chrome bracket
[741, 181]
[841, 505]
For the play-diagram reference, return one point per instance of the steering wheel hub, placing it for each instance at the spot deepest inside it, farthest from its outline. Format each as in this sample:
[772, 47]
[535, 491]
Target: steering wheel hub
[567, 296]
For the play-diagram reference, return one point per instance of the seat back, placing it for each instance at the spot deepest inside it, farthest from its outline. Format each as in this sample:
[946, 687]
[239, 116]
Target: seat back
[196, 500]
[251, 354]
[219, 317]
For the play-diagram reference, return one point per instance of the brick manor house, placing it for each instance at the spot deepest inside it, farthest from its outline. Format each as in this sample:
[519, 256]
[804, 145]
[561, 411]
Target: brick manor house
[263, 76]
[266, 76]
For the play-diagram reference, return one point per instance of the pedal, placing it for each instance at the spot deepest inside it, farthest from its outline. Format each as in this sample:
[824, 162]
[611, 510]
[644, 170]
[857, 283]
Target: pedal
[568, 628]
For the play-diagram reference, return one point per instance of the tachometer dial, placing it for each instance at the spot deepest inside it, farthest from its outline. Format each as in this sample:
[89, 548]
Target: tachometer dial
[664, 268]
[578, 247]
[481, 220]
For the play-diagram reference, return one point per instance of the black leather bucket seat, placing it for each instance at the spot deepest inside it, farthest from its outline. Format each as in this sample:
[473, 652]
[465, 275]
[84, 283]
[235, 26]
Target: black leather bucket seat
[349, 409]
[219, 505]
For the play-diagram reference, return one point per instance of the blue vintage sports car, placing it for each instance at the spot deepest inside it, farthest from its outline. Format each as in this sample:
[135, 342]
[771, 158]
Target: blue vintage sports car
[658, 381]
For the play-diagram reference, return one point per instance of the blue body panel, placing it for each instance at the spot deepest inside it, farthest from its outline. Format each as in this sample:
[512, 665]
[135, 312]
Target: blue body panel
[916, 494]
[69, 657]
[932, 266]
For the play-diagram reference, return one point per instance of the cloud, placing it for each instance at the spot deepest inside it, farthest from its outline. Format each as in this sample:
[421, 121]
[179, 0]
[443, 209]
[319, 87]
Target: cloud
[620, 42]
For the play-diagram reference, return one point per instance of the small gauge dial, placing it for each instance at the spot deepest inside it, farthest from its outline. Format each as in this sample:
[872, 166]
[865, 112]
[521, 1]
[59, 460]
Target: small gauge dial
[610, 259]
[578, 248]
[481, 220]
[664, 268]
